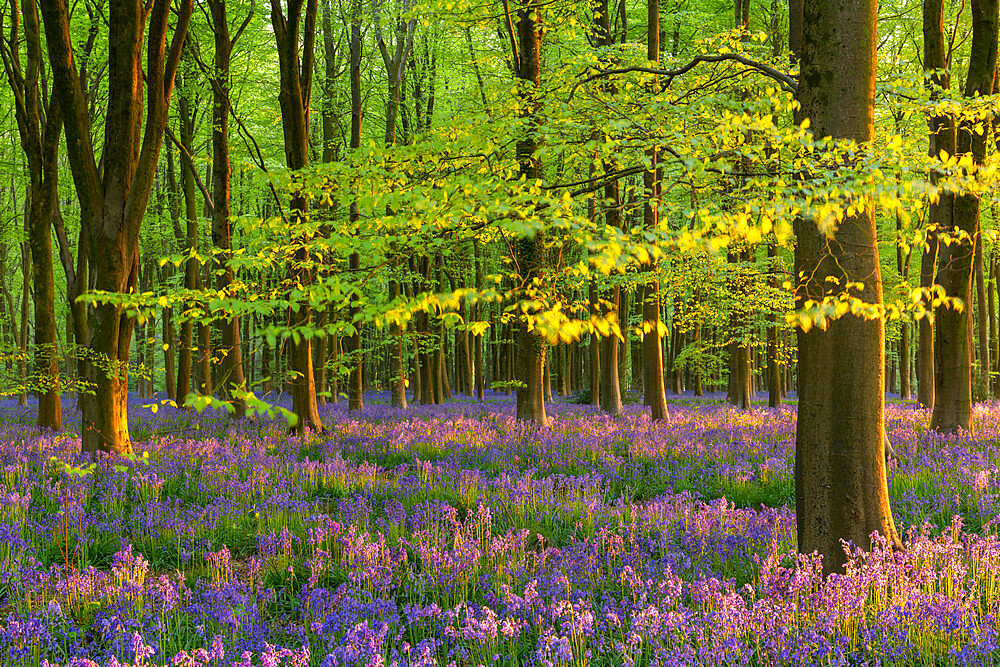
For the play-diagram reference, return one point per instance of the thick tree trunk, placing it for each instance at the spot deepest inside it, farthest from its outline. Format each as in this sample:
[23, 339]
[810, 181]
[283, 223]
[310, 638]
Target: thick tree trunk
[942, 138]
[44, 199]
[952, 341]
[840, 476]
[611, 400]
[740, 391]
[653, 387]
[113, 200]
[293, 98]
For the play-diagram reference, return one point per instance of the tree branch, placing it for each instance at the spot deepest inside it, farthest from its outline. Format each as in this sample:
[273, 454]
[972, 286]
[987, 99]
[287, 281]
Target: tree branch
[787, 81]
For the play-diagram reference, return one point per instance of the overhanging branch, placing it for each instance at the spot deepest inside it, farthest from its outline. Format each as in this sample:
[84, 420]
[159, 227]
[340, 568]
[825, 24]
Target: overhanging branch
[785, 80]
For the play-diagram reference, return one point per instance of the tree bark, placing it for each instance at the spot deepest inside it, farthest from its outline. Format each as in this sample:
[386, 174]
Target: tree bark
[773, 370]
[952, 340]
[530, 251]
[477, 313]
[293, 98]
[231, 353]
[991, 289]
[840, 476]
[22, 332]
[113, 201]
[654, 390]
[984, 385]
[39, 124]
[611, 399]
[903, 268]
[355, 385]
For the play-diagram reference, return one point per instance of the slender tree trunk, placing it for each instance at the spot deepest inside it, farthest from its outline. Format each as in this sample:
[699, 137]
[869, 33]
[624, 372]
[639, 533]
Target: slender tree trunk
[773, 370]
[994, 337]
[170, 369]
[355, 385]
[205, 380]
[22, 334]
[231, 352]
[903, 268]
[397, 379]
[478, 339]
[611, 399]
[983, 323]
[185, 354]
[530, 251]
[39, 136]
[925, 330]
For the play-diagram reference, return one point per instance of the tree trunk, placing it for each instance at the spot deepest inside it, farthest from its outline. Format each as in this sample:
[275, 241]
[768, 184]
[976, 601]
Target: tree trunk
[653, 387]
[293, 98]
[530, 251]
[952, 341]
[773, 370]
[994, 337]
[170, 369]
[355, 385]
[840, 476]
[925, 330]
[205, 384]
[398, 378]
[903, 268]
[22, 334]
[39, 135]
[113, 200]
[611, 399]
[185, 350]
[984, 385]
[395, 65]
[231, 363]
[44, 199]
[478, 340]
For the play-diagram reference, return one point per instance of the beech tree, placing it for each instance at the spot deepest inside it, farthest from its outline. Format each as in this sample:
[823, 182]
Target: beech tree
[531, 346]
[113, 199]
[957, 214]
[298, 22]
[840, 471]
[231, 363]
[39, 124]
[654, 389]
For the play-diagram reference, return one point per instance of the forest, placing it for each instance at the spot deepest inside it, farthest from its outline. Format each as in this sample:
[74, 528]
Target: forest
[631, 333]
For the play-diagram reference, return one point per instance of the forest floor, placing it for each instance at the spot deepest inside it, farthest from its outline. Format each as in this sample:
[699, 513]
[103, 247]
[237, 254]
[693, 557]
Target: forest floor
[456, 535]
